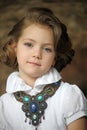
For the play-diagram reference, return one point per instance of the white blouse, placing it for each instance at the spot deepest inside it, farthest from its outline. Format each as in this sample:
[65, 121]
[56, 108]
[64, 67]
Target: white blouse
[65, 106]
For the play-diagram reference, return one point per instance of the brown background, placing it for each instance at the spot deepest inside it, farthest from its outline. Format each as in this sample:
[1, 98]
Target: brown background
[73, 14]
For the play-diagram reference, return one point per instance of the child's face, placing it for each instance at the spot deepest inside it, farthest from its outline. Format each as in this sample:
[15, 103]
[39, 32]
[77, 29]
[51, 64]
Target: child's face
[35, 51]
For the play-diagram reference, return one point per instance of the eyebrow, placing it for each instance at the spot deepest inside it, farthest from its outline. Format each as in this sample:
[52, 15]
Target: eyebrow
[29, 39]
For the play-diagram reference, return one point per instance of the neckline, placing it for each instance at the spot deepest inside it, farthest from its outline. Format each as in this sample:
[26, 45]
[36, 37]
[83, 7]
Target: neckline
[15, 83]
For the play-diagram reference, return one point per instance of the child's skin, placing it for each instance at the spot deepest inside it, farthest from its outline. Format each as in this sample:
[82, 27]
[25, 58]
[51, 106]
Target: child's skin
[35, 50]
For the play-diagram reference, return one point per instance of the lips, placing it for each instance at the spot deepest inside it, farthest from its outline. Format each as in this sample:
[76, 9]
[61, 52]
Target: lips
[34, 63]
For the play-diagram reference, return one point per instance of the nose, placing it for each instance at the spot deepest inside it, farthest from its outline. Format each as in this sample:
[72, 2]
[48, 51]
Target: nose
[37, 54]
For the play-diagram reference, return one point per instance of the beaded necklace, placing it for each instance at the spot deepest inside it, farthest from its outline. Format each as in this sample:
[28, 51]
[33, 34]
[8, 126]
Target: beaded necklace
[34, 106]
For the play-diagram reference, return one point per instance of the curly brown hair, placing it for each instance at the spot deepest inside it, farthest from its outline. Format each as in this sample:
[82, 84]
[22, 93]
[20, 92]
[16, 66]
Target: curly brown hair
[43, 16]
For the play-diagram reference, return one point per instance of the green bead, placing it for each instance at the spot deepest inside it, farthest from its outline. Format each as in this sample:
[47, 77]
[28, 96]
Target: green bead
[40, 97]
[26, 99]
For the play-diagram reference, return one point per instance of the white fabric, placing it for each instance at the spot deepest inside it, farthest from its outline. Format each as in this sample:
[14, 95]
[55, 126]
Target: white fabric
[65, 106]
[15, 83]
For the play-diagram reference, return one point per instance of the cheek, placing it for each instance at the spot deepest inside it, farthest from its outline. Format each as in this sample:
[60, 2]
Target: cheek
[21, 57]
[50, 61]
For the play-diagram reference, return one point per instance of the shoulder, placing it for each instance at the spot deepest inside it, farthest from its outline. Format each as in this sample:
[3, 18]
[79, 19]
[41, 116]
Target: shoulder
[72, 94]
[70, 91]
[73, 102]
[6, 98]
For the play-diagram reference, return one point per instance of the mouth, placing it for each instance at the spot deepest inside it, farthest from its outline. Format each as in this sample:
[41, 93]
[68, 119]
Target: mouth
[34, 63]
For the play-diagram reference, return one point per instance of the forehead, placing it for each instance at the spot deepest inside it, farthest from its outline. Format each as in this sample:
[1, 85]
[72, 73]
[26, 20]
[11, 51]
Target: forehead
[37, 30]
[34, 26]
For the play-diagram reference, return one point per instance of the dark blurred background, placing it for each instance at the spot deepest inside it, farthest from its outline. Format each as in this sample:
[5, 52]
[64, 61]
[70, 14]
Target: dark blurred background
[73, 13]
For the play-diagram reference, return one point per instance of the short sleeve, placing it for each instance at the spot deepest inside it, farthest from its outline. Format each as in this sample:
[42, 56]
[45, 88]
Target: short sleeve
[3, 123]
[75, 103]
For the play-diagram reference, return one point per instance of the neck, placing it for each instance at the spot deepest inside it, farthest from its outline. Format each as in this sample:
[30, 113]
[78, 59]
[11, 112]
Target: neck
[28, 80]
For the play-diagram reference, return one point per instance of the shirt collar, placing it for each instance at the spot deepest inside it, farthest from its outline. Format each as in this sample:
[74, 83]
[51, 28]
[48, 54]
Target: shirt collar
[15, 83]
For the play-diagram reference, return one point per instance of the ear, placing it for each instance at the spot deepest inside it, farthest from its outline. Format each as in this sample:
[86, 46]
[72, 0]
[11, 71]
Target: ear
[13, 46]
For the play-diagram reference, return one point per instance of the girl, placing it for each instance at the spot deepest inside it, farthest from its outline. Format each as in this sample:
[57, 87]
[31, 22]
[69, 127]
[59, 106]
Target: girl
[38, 47]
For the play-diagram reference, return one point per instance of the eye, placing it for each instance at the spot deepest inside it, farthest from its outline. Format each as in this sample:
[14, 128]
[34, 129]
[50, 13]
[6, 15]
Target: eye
[28, 44]
[48, 49]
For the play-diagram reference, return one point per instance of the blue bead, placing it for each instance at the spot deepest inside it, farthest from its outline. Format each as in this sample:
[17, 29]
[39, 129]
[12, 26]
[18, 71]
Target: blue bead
[55, 84]
[33, 107]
